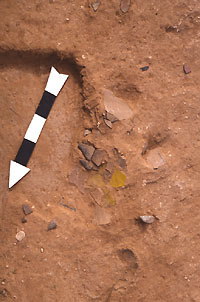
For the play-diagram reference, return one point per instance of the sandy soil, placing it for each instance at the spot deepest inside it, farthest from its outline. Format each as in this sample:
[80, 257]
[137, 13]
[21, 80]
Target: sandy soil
[99, 250]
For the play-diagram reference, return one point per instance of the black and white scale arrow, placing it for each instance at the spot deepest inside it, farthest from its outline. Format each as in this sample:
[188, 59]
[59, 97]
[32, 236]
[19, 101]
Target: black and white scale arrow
[18, 167]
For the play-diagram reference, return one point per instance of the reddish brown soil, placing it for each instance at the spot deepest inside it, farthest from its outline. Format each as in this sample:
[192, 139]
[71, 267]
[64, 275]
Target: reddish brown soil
[82, 260]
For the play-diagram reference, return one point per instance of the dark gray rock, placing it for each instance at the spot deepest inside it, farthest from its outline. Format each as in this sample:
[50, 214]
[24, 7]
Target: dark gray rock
[67, 206]
[24, 220]
[27, 209]
[98, 157]
[86, 164]
[52, 225]
[145, 68]
[87, 150]
[111, 117]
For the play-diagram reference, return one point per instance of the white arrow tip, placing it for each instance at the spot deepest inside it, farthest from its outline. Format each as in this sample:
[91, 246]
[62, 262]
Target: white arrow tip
[55, 81]
[17, 171]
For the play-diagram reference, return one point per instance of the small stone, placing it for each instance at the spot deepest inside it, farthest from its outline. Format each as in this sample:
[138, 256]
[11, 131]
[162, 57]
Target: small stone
[124, 5]
[42, 250]
[24, 220]
[145, 68]
[95, 5]
[155, 159]
[52, 225]
[108, 123]
[20, 236]
[98, 157]
[186, 69]
[87, 150]
[26, 209]
[116, 106]
[67, 206]
[87, 132]
[111, 117]
[147, 219]
[67, 19]
[86, 164]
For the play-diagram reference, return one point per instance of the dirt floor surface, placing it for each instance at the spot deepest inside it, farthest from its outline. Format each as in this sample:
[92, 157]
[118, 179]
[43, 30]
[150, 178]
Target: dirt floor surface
[140, 131]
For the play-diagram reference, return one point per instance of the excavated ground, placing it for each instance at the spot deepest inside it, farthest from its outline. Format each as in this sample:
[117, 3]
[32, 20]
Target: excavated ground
[100, 251]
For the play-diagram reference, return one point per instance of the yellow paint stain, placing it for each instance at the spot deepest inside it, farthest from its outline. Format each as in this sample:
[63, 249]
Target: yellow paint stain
[108, 198]
[118, 179]
[96, 180]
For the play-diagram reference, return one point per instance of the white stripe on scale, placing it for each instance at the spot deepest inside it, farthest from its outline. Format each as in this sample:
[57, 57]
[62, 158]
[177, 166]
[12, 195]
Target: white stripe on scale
[35, 128]
[55, 81]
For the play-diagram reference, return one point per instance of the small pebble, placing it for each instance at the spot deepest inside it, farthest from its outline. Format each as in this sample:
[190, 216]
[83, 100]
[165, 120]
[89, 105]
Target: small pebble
[108, 123]
[147, 219]
[67, 206]
[26, 209]
[42, 250]
[95, 5]
[145, 68]
[124, 5]
[52, 225]
[24, 220]
[87, 132]
[186, 69]
[20, 236]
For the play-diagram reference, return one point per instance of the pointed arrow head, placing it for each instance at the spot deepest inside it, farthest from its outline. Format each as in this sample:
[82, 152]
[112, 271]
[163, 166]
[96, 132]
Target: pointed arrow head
[17, 171]
[55, 81]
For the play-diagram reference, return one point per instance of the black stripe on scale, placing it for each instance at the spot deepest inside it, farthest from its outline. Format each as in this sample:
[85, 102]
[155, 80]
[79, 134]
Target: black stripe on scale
[24, 152]
[45, 104]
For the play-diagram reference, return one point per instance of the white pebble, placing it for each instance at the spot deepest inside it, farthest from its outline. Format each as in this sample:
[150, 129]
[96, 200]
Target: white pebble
[147, 219]
[20, 236]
